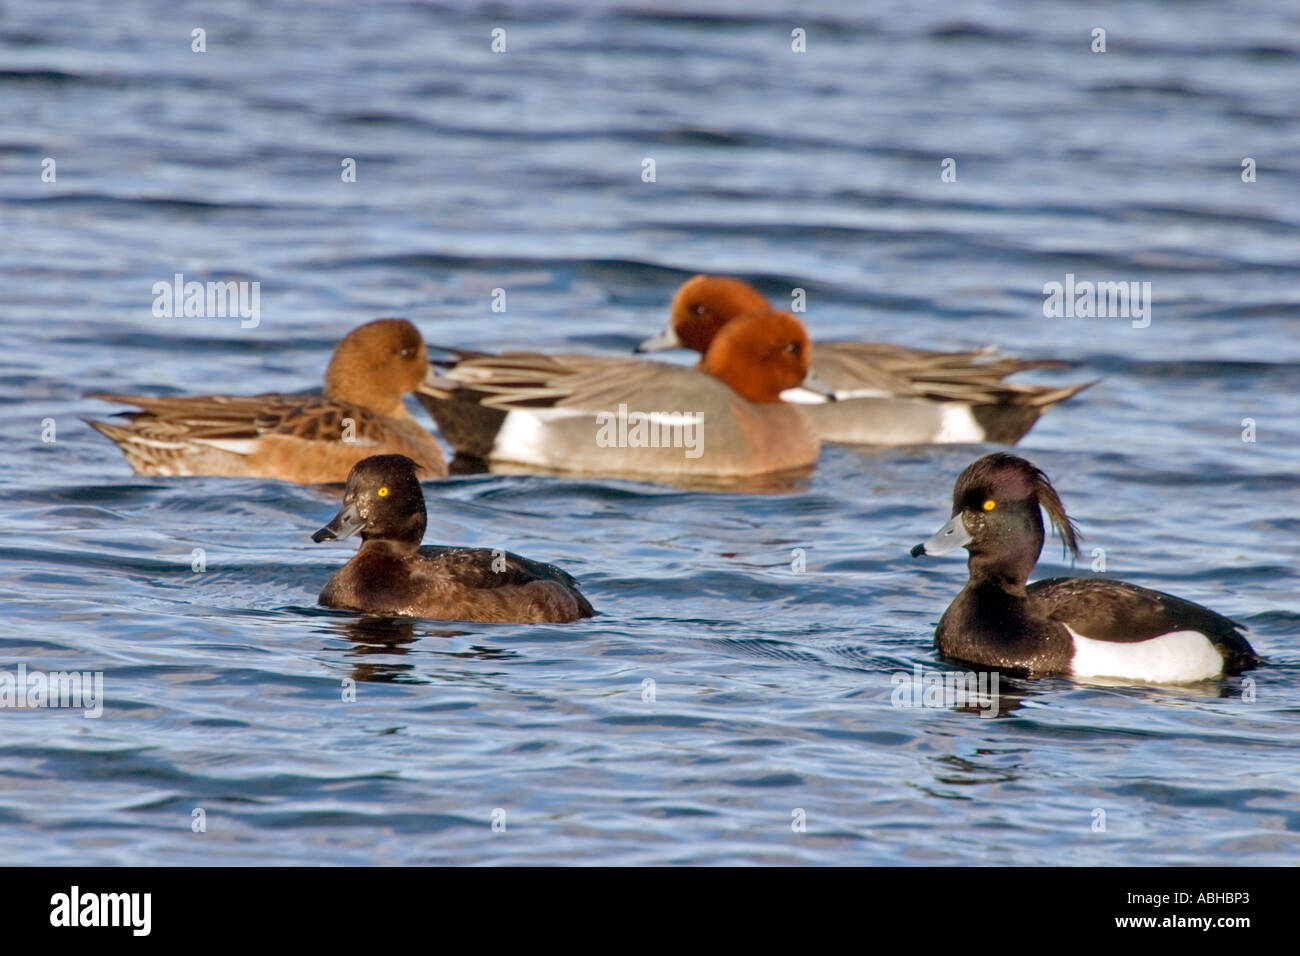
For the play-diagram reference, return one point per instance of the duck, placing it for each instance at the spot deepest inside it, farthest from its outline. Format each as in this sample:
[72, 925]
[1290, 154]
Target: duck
[392, 575]
[1073, 627]
[609, 415]
[305, 439]
[888, 394]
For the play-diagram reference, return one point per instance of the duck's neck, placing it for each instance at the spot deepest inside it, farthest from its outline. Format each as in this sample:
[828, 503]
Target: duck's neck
[1010, 580]
[392, 547]
[1003, 568]
[698, 333]
[348, 382]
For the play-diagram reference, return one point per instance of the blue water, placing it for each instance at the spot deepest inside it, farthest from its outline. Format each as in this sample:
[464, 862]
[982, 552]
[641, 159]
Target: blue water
[522, 171]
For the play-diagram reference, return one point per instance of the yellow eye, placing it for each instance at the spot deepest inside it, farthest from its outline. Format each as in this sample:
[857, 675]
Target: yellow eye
[990, 505]
[383, 492]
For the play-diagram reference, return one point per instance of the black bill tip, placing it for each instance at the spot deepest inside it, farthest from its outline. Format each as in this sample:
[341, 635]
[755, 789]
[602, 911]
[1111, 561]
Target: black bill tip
[324, 534]
[918, 551]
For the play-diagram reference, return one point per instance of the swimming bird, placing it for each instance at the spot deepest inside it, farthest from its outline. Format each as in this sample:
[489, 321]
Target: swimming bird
[307, 439]
[888, 394]
[724, 418]
[1080, 627]
[391, 574]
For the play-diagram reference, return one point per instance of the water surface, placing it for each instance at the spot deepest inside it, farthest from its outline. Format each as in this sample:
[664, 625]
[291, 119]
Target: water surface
[522, 171]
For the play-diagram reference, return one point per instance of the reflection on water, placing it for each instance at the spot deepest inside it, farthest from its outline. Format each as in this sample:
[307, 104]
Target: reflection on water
[771, 483]
[390, 636]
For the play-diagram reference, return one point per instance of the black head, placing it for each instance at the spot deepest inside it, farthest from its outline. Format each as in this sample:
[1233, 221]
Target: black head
[996, 516]
[382, 500]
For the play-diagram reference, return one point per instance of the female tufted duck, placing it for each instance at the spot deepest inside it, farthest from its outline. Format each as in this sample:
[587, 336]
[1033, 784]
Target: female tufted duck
[391, 574]
[1082, 627]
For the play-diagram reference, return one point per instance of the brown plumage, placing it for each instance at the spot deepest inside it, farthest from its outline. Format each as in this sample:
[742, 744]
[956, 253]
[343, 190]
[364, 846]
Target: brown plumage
[306, 439]
[391, 574]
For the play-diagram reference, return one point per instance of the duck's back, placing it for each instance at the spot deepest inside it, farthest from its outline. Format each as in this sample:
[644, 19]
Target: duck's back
[1115, 625]
[307, 439]
[896, 395]
[604, 415]
[457, 584]
[479, 584]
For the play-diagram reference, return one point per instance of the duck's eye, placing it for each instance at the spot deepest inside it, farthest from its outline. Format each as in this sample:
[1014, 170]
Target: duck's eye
[700, 309]
[408, 352]
[990, 505]
[793, 348]
[383, 492]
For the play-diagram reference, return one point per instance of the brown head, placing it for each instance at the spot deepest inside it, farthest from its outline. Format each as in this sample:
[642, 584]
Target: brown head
[700, 308]
[760, 355]
[996, 516]
[376, 364]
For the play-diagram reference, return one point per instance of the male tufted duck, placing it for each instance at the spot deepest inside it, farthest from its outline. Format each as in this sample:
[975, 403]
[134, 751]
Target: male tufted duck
[1082, 627]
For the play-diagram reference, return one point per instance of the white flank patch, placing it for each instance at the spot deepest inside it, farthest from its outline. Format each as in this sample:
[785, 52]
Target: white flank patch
[1172, 658]
[959, 426]
[523, 435]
